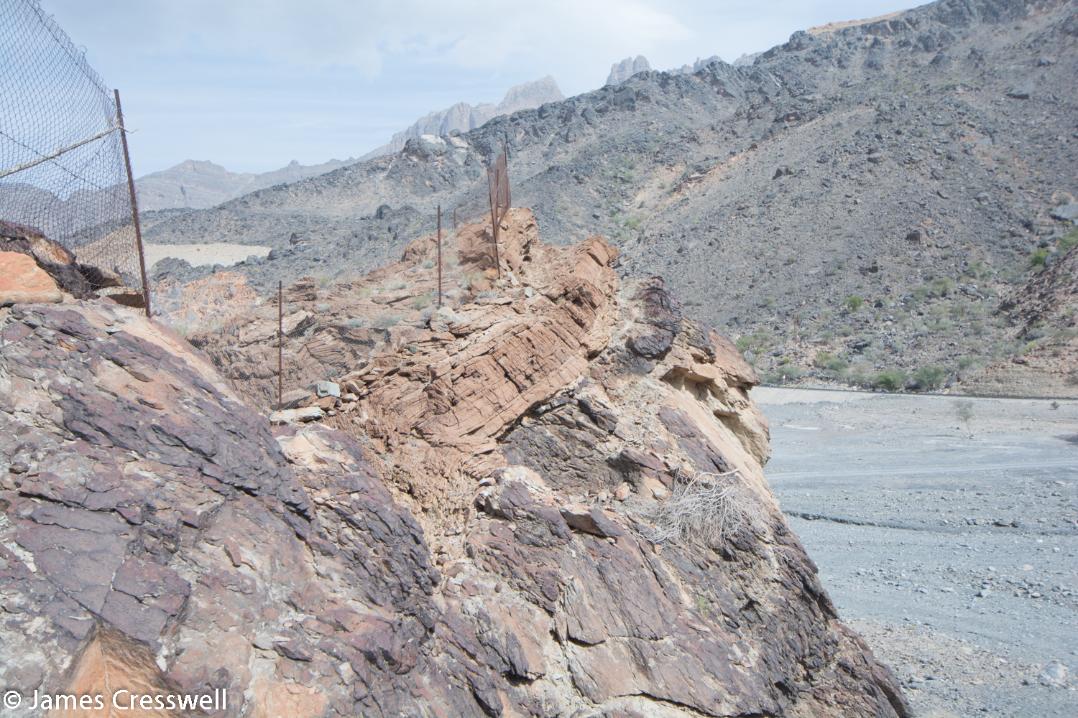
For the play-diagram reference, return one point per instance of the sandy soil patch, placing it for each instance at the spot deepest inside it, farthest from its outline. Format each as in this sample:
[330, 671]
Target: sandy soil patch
[204, 254]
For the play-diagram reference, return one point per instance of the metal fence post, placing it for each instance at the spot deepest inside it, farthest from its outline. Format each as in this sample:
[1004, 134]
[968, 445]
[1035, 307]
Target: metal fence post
[439, 256]
[134, 204]
[492, 183]
[280, 344]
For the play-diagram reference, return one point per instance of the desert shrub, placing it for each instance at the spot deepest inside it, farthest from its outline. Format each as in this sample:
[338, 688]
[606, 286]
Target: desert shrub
[978, 270]
[830, 362]
[355, 323]
[782, 374]
[963, 409]
[854, 302]
[889, 380]
[422, 301]
[385, 321]
[930, 377]
[1038, 258]
[427, 264]
[1069, 240]
[940, 287]
[757, 342]
[857, 377]
[704, 508]
[470, 279]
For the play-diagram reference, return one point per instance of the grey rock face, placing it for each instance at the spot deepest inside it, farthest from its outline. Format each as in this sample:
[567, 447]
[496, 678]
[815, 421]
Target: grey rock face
[679, 171]
[463, 117]
[623, 70]
[154, 531]
[194, 184]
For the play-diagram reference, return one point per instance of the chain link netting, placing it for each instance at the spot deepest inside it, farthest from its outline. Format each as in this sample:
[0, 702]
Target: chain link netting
[62, 166]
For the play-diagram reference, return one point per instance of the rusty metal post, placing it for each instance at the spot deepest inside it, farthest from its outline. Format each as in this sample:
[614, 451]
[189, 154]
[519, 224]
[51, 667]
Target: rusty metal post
[134, 203]
[492, 183]
[280, 344]
[439, 256]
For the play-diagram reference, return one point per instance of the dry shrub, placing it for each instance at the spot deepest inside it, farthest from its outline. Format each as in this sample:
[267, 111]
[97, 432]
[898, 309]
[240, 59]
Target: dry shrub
[704, 508]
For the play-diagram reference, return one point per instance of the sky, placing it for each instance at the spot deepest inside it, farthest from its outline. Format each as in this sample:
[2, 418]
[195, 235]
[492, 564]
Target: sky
[254, 84]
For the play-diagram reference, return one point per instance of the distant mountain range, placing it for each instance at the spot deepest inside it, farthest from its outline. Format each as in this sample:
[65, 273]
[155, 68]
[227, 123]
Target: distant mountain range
[853, 204]
[195, 184]
[199, 184]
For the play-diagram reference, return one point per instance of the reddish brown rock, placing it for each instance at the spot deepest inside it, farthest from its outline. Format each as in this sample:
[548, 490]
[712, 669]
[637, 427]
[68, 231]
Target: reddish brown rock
[446, 544]
[23, 282]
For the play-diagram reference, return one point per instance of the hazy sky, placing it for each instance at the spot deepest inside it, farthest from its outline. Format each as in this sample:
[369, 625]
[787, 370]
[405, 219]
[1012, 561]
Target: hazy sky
[252, 84]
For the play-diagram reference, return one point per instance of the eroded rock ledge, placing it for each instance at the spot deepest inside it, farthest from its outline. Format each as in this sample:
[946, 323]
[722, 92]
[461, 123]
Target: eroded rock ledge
[471, 529]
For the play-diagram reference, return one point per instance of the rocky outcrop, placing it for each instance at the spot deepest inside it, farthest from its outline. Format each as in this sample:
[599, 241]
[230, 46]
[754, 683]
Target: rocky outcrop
[34, 268]
[22, 281]
[1044, 314]
[765, 194]
[623, 70]
[153, 523]
[499, 545]
[463, 117]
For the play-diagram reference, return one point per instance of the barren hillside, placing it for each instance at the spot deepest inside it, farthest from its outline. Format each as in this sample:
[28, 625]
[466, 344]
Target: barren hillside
[545, 498]
[853, 204]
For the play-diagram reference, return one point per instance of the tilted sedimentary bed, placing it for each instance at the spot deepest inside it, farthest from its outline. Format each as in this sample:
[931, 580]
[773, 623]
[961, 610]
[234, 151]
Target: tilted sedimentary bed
[478, 525]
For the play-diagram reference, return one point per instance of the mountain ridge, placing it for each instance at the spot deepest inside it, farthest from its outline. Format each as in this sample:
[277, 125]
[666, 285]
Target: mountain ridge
[463, 117]
[200, 184]
[835, 227]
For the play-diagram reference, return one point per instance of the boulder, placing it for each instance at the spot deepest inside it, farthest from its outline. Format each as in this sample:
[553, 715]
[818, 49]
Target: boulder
[22, 281]
[296, 416]
[1066, 212]
[327, 388]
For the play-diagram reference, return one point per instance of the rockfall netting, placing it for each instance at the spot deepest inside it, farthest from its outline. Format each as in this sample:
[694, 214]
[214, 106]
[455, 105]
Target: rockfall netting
[63, 171]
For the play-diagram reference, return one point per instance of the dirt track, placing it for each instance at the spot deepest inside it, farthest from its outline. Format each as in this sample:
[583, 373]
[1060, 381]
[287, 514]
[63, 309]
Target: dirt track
[951, 546]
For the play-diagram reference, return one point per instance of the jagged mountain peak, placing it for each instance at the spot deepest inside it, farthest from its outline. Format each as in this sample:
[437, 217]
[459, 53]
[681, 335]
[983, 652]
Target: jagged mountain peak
[463, 117]
[623, 70]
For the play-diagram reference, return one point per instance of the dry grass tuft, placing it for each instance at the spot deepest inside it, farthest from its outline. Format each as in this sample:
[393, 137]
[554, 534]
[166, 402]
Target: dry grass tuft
[704, 508]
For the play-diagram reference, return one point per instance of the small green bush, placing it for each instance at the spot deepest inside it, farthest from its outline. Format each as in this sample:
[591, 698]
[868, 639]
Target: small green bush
[1069, 240]
[889, 380]
[1038, 258]
[385, 321]
[854, 302]
[782, 374]
[930, 377]
[830, 362]
[941, 287]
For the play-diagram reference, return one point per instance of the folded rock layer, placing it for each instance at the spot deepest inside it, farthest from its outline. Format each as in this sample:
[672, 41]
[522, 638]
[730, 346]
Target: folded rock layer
[545, 498]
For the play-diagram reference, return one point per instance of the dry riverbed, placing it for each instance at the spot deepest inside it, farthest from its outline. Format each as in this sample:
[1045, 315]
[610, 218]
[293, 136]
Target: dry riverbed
[207, 254]
[946, 531]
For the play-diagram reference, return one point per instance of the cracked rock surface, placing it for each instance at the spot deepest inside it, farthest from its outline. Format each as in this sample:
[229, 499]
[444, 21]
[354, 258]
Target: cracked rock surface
[475, 536]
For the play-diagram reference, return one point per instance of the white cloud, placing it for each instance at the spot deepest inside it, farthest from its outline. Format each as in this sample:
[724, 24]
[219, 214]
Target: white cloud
[472, 34]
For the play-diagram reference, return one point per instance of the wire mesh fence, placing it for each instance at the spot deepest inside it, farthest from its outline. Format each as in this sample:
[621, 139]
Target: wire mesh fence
[500, 199]
[63, 169]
